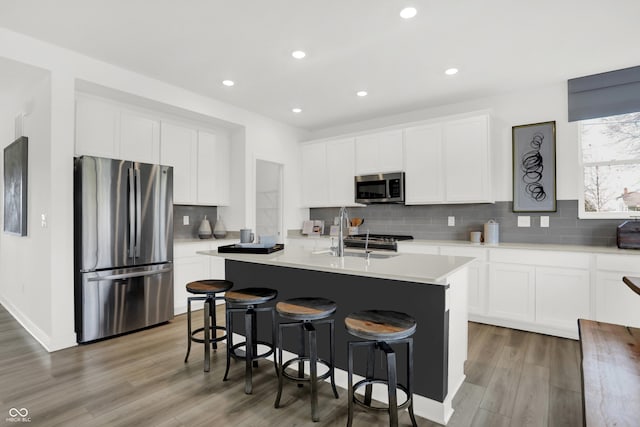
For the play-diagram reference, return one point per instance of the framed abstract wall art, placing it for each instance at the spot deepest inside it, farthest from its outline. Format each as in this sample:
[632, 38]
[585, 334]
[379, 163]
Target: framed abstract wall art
[534, 167]
[15, 186]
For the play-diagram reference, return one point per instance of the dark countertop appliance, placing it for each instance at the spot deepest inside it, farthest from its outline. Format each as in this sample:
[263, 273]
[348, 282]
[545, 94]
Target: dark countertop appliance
[380, 188]
[628, 235]
[123, 245]
[376, 241]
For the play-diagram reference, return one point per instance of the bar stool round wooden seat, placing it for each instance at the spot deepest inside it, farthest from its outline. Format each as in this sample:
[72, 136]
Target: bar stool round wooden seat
[381, 329]
[207, 291]
[307, 313]
[246, 301]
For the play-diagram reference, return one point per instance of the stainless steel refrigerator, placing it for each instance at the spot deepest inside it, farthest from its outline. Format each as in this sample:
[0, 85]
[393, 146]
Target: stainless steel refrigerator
[123, 246]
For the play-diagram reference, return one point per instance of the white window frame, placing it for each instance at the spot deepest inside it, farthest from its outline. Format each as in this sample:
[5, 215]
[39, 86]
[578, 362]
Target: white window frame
[582, 213]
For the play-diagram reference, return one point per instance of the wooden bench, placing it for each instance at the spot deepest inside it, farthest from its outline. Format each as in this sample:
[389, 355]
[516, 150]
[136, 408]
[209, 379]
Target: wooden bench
[610, 373]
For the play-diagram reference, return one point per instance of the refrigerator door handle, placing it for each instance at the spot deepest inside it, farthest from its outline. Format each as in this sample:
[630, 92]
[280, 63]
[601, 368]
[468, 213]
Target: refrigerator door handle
[138, 212]
[128, 275]
[132, 218]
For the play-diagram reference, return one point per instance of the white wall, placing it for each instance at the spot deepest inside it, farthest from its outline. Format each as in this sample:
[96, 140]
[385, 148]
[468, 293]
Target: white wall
[262, 137]
[24, 261]
[532, 105]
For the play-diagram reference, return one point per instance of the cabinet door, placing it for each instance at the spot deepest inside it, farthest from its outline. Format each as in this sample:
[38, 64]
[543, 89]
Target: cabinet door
[466, 159]
[213, 169]
[139, 138]
[97, 128]
[314, 175]
[562, 297]
[423, 165]
[340, 156]
[615, 302]
[511, 292]
[477, 281]
[187, 270]
[178, 149]
[379, 152]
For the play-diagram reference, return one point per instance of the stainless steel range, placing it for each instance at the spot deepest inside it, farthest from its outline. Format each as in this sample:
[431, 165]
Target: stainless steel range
[376, 241]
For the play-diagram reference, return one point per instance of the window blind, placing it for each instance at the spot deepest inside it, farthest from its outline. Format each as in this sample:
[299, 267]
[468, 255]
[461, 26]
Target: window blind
[604, 94]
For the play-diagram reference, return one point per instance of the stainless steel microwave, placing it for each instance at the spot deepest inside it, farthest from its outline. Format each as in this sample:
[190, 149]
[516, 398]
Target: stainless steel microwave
[380, 188]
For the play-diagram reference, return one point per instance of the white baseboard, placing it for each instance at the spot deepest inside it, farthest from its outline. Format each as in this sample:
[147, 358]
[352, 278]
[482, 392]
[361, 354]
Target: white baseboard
[28, 325]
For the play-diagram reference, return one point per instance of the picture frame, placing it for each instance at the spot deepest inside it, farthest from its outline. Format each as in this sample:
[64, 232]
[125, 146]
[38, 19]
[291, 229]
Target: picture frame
[534, 167]
[15, 186]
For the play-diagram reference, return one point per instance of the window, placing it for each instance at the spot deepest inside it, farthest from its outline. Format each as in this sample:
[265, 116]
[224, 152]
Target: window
[611, 166]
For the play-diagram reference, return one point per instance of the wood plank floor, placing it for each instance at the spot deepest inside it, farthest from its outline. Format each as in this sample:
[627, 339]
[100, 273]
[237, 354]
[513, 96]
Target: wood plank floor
[514, 378]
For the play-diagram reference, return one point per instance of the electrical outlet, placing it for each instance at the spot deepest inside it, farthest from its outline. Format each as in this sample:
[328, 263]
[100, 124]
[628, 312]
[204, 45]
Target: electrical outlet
[185, 220]
[451, 221]
[43, 220]
[524, 221]
[544, 221]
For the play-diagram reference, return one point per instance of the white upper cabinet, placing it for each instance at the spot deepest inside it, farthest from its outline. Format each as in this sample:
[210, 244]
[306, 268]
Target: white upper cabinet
[139, 138]
[328, 172]
[341, 172]
[105, 129]
[424, 181]
[466, 160]
[379, 152]
[179, 149]
[214, 152]
[315, 191]
[448, 162]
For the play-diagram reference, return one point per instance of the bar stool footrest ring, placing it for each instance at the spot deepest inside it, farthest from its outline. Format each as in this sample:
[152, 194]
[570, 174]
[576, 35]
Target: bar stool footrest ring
[232, 350]
[366, 382]
[288, 363]
[211, 340]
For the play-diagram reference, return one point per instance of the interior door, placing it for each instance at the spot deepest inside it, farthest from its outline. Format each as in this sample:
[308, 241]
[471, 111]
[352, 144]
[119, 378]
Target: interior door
[269, 199]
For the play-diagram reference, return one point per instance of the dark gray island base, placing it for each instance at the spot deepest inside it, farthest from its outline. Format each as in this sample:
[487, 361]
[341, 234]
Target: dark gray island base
[429, 304]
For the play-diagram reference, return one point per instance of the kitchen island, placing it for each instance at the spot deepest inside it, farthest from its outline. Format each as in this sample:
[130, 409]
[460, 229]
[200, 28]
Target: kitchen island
[431, 288]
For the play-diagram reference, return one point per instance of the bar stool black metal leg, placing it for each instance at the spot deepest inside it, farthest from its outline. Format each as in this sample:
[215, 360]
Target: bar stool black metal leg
[249, 345]
[350, 395]
[229, 326]
[313, 368]
[392, 383]
[254, 336]
[332, 344]
[186, 358]
[274, 342]
[301, 354]
[207, 337]
[214, 323]
[279, 370]
[410, 380]
[371, 369]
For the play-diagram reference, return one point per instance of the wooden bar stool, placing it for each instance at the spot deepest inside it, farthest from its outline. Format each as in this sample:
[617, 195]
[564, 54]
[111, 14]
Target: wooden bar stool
[307, 313]
[381, 329]
[208, 290]
[246, 301]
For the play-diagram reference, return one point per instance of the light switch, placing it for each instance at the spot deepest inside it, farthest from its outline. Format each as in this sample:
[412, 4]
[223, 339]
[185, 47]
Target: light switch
[185, 220]
[451, 221]
[544, 221]
[524, 221]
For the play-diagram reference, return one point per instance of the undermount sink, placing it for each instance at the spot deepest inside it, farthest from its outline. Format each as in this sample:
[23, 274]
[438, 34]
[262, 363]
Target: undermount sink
[371, 255]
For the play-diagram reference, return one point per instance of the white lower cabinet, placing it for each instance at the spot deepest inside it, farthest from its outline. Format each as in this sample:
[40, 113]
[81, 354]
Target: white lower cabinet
[562, 296]
[616, 303]
[511, 292]
[189, 266]
[477, 281]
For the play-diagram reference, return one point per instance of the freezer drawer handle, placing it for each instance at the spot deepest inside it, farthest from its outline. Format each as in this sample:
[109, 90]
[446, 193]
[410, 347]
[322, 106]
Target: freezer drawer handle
[127, 275]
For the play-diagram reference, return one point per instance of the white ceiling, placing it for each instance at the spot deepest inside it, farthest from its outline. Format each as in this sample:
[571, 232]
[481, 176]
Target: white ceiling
[498, 45]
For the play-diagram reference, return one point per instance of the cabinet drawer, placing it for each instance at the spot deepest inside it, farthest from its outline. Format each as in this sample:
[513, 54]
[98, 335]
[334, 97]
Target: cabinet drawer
[479, 253]
[411, 248]
[628, 263]
[181, 250]
[542, 258]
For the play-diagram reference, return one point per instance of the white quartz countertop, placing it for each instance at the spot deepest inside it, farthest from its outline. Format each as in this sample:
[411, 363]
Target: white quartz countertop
[419, 268]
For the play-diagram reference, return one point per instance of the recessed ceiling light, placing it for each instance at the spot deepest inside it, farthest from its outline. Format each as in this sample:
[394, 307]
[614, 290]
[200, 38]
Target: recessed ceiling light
[297, 110]
[362, 93]
[408, 12]
[228, 83]
[298, 54]
[451, 71]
